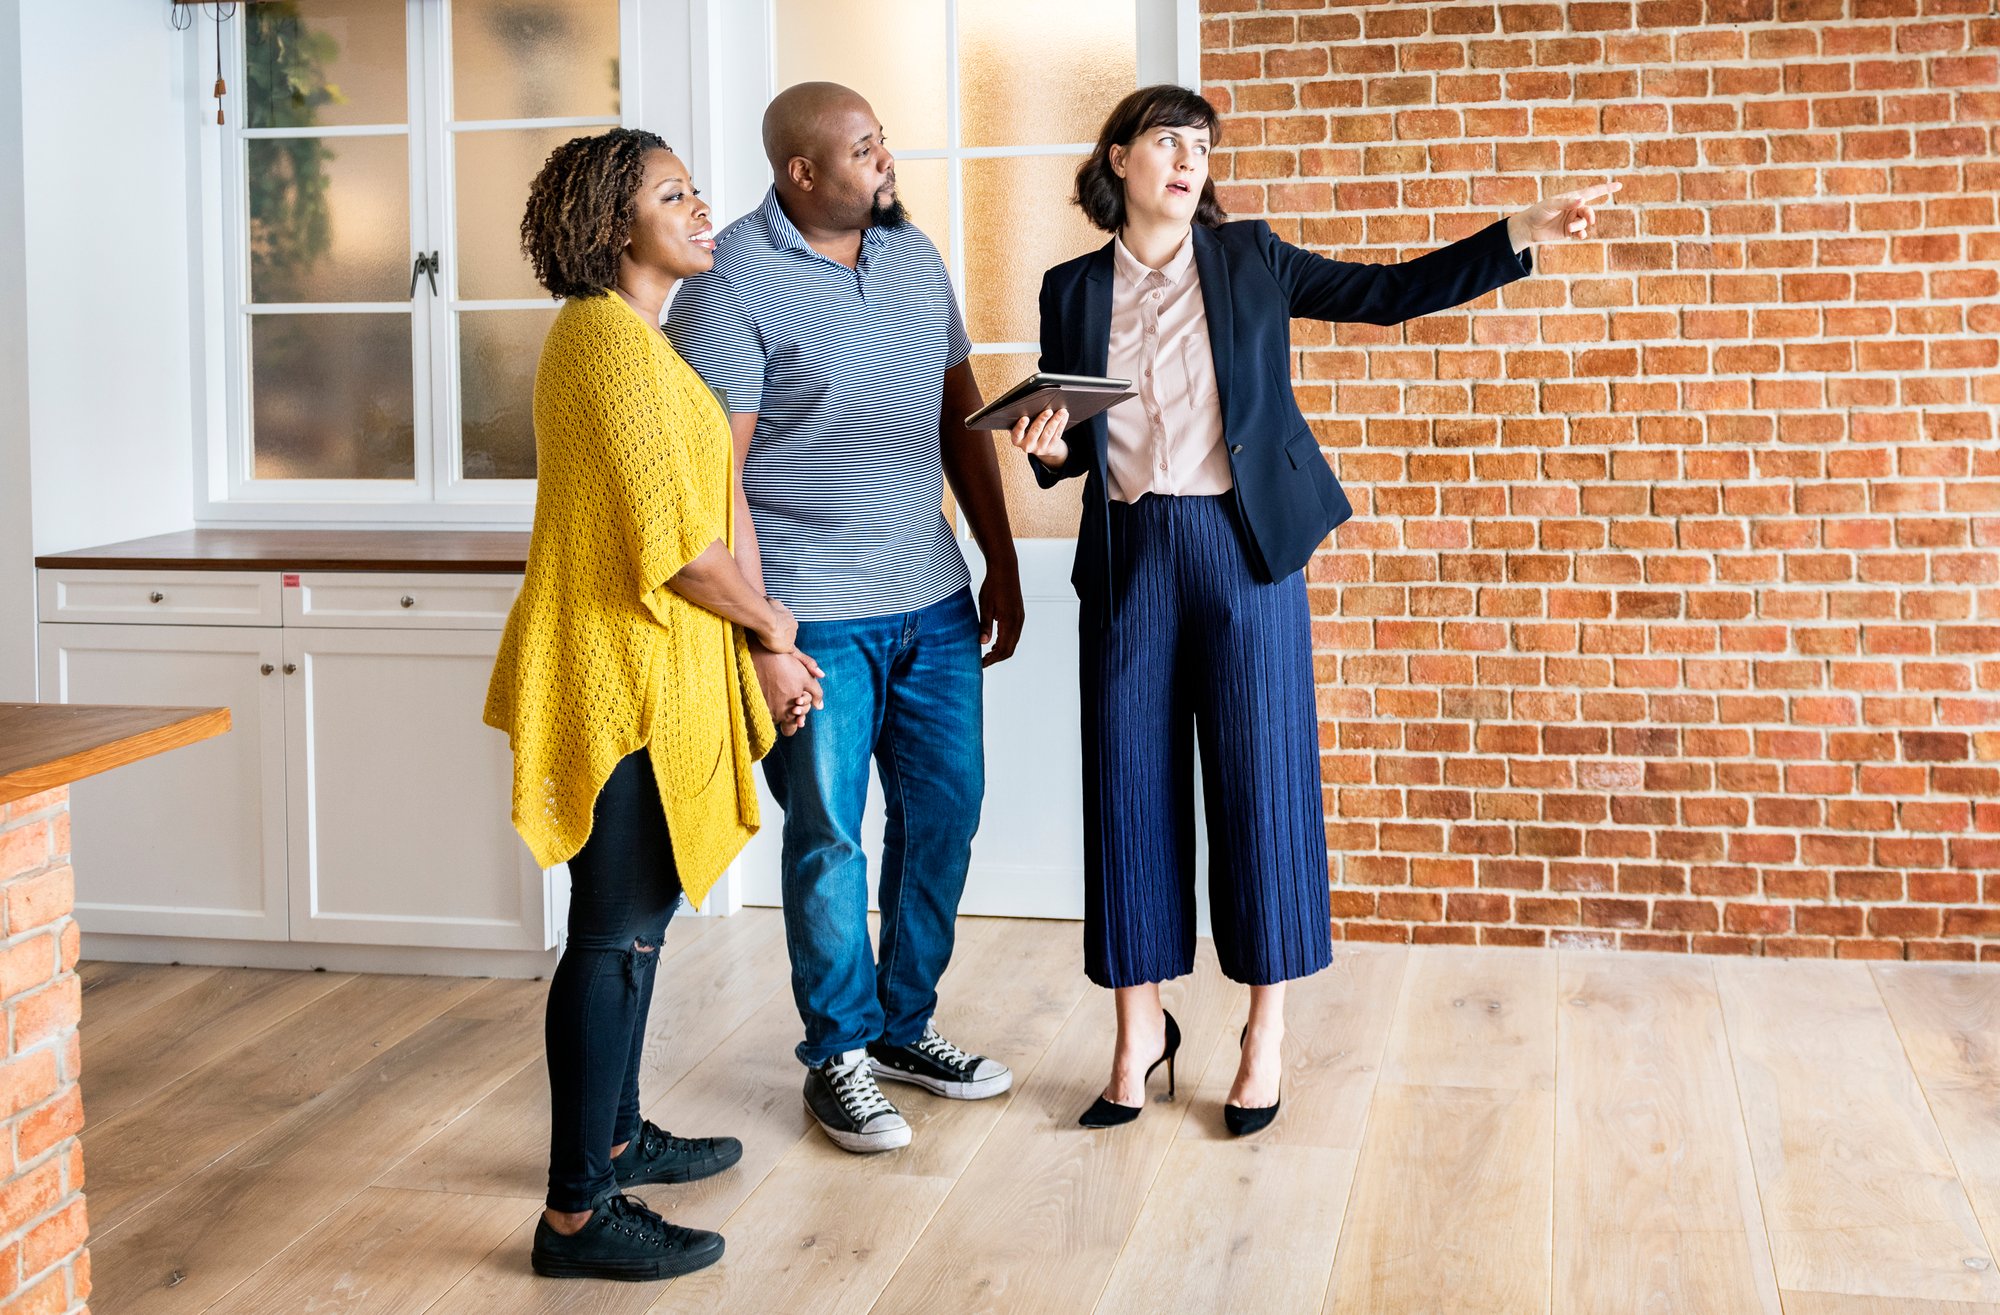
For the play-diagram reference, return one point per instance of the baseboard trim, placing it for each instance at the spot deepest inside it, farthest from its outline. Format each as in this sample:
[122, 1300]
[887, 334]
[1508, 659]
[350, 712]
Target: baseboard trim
[306, 956]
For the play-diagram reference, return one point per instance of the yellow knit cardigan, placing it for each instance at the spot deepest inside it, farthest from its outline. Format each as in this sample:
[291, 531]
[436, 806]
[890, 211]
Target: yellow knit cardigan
[600, 658]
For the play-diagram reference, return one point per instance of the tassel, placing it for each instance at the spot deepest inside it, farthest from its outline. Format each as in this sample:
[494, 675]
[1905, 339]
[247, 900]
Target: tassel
[221, 88]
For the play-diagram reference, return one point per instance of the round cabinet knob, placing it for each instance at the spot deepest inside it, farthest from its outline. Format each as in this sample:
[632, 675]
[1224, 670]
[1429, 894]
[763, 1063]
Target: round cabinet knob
[291, 667]
[408, 601]
[267, 668]
[156, 597]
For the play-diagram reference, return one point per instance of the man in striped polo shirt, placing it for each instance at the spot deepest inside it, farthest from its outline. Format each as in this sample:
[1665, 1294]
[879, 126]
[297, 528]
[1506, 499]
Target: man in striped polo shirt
[829, 326]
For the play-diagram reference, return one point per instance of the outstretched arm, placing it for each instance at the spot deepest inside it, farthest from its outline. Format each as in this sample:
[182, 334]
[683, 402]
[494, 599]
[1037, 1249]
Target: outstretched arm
[1352, 291]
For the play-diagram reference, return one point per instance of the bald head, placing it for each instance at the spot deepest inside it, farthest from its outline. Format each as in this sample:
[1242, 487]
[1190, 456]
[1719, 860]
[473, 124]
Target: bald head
[830, 162]
[817, 120]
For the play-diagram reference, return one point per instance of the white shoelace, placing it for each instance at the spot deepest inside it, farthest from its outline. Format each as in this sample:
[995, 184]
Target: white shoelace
[934, 1045]
[854, 1086]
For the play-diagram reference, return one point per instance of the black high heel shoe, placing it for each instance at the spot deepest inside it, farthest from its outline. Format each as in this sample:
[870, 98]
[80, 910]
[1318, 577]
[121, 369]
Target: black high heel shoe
[1242, 1120]
[1109, 1113]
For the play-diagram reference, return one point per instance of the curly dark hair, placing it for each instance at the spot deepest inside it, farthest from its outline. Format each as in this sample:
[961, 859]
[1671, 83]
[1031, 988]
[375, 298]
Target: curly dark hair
[580, 210]
[1100, 193]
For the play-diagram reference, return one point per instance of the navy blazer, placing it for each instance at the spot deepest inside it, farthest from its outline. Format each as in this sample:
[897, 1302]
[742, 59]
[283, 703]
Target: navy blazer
[1253, 283]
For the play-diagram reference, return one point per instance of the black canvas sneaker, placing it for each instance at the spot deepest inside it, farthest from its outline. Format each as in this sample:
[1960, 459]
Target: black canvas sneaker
[657, 1156]
[935, 1064]
[842, 1095]
[623, 1240]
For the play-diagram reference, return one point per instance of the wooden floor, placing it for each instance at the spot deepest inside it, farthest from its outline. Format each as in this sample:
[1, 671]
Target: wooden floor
[1486, 1131]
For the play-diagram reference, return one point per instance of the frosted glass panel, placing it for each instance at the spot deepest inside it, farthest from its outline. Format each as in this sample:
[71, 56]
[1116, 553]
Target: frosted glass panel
[331, 396]
[924, 186]
[325, 63]
[891, 51]
[1018, 223]
[494, 170]
[534, 59]
[1042, 72]
[497, 354]
[329, 219]
[1034, 512]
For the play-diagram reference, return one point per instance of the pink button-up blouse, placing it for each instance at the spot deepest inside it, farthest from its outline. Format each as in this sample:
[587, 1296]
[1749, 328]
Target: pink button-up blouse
[1168, 439]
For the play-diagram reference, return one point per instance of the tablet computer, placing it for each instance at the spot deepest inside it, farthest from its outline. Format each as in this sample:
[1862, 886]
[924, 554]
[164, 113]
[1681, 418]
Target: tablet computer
[1084, 395]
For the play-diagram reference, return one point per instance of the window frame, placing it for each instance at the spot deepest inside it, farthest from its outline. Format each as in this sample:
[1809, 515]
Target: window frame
[436, 493]
[1167, 47]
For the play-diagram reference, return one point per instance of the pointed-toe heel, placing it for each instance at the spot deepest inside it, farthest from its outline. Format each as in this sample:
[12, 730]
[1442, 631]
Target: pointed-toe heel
[1105, 1113]
[1242, 1120]
[1108, 1114]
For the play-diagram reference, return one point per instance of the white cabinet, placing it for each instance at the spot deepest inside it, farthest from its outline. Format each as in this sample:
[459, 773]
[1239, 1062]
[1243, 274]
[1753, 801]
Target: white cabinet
[193, 843]
[398, 795]
[358, 800]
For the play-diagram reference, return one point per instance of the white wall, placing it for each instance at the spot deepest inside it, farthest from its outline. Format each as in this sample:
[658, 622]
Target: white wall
[105, 165]
[17, 581]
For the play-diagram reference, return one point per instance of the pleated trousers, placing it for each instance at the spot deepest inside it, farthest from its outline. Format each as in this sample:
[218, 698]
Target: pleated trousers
[1195, 650]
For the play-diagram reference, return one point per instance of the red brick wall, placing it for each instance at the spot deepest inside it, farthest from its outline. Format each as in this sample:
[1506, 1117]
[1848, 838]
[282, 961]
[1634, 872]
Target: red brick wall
[43, 1266]
[1670, 615]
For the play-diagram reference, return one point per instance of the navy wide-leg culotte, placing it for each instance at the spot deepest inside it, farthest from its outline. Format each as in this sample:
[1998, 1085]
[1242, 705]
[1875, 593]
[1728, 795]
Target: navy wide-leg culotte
[1196, 645]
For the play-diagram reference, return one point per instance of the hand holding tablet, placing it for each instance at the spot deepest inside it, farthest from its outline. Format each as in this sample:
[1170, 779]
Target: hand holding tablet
[1081, 395]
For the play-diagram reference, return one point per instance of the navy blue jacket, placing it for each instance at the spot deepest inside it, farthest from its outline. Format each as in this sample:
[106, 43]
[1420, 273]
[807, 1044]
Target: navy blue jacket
[1253, 283]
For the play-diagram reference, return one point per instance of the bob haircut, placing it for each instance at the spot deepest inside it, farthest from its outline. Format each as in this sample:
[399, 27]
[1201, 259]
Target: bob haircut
[1100, 193]
[580, 210]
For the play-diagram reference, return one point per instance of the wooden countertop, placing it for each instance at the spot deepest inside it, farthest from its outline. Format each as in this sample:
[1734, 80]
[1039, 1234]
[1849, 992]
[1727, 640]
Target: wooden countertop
[468, 551]
[44, 745]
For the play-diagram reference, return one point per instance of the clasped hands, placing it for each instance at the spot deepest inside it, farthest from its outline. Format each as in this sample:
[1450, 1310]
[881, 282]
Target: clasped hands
[790, 678]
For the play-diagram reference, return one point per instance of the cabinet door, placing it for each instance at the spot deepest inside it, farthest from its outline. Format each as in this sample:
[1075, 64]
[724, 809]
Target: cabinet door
[193, 843]
[401, 830]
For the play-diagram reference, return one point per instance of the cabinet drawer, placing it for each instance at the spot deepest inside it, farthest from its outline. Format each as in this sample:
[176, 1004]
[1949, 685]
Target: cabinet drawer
[180, 598]
[417, 602]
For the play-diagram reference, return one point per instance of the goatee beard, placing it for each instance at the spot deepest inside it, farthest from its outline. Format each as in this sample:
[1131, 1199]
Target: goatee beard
[891, 215]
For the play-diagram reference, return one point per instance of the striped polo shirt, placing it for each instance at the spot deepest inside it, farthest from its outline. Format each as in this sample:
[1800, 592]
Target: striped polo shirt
[845, 370]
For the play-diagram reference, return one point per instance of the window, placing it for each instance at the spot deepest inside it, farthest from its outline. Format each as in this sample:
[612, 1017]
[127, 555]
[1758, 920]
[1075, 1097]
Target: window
[989, 106]
[380, 326]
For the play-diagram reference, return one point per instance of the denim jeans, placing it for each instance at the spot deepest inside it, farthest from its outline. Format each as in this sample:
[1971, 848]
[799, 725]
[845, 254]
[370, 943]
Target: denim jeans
[623, 891]
[905, 690]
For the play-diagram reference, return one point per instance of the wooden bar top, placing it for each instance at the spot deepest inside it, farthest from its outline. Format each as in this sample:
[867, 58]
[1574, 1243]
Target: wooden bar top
[503, 552]
[44, 745]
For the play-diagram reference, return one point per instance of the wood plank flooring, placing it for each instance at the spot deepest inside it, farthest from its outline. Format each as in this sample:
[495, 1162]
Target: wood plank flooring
[1465, 1130]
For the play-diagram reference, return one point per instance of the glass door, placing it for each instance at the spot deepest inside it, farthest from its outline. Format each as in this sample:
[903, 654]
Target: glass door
[989, 107]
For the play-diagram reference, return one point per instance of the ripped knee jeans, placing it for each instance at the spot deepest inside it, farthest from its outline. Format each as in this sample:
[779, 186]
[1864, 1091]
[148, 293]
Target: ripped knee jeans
[623, 891]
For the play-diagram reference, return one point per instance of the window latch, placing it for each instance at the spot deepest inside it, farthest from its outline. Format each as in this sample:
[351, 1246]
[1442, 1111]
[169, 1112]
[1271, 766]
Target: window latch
[427, 265]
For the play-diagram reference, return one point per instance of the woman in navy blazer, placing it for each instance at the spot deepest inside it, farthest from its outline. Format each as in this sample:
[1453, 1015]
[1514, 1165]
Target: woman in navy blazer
[1200, 512]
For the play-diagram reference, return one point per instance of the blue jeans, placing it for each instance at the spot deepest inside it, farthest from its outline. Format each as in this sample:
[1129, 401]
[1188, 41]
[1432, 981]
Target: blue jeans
[905, 690]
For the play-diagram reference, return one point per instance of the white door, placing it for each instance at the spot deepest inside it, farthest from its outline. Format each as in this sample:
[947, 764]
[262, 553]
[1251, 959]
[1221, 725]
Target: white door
[193, 843]
[989, 109]
[400, 833]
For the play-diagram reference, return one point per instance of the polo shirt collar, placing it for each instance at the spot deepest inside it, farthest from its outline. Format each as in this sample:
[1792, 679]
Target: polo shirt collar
[784, 233]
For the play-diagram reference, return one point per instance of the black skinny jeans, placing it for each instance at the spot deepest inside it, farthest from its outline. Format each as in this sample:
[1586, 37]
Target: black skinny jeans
[623, 890]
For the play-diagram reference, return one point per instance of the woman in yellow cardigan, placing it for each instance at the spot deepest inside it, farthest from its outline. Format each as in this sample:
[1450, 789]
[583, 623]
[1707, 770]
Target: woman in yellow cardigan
[624, 682]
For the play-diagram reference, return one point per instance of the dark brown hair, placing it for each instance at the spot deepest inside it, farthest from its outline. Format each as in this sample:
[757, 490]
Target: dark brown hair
[580, 210]
[1100, 193]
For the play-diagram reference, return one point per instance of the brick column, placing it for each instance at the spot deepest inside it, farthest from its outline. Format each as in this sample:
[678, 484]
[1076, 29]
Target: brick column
[43, 1264]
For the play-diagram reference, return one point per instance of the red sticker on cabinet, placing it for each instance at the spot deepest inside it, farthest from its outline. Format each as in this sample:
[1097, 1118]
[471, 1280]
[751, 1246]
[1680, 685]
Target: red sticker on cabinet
[291, 582]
